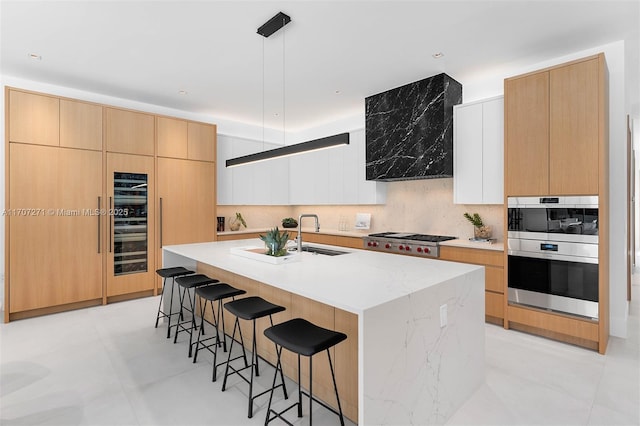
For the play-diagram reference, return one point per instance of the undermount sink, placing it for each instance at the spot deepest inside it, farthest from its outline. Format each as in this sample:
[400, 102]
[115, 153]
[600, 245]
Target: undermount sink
[322, 250]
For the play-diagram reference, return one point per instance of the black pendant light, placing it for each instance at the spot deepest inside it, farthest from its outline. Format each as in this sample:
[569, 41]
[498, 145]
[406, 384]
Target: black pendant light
[268, 28]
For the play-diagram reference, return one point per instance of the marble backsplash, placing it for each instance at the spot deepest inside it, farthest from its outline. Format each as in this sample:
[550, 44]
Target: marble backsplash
[422, 206]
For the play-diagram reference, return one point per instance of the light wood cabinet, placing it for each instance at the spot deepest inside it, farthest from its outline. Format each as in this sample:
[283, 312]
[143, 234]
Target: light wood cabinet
[239, 236]
[527, 135]
[80, 125]
[129, 132]
[55, 245]
[185, 139]
[186, 203]
[556, 143]
[34, 118]
[478, 147]
[552, 130]
[493, 262]
[574, 129]
[172, 137]
[130, 237]
[63, 156]
[201, 141]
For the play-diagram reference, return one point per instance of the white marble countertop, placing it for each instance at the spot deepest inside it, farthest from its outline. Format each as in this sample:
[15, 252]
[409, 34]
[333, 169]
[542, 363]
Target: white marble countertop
[466, 243]
[353, 282]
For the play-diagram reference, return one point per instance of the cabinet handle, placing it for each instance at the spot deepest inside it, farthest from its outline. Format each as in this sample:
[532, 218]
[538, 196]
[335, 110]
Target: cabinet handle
[160, 217]
[110, 224]
[99, 215]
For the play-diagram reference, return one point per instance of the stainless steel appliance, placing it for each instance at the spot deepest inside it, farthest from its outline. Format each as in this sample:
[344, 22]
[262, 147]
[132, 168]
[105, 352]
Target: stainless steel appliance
[406, 243]
[553, 253]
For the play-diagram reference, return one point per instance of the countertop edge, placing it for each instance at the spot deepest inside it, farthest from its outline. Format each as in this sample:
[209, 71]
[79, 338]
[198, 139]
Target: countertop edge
[460, 242]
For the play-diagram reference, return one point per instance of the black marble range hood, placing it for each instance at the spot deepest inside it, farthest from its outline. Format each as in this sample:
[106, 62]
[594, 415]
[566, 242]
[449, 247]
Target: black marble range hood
[409, 130]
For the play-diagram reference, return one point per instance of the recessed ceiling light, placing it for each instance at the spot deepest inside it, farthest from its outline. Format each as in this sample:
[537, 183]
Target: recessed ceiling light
[35, 56]
[438, 55]
[182, 92]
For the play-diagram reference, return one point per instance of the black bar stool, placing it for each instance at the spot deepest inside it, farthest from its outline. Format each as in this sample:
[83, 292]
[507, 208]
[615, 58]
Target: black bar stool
[172, 273]
[186, 283]
[303, 338]
[251, 308]
[210, 294]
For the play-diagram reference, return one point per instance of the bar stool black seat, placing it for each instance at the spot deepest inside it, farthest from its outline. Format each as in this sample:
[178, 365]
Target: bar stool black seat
[303, 338]
[251, 309]
[172, 273]
[210, 294]
[187, 283]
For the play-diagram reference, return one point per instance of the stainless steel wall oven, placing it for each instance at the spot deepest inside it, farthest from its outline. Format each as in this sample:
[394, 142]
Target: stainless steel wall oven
[553, 253]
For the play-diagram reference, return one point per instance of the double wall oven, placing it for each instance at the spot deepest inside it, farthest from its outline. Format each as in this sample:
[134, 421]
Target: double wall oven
[553, 253]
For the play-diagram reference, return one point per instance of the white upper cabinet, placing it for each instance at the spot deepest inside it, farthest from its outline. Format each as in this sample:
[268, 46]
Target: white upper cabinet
[332, 176]
[223, 174]
[264, 183]
[478, 152]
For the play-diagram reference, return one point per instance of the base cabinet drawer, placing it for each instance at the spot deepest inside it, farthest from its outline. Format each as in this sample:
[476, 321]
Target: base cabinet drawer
[494, 304]
[494, 279]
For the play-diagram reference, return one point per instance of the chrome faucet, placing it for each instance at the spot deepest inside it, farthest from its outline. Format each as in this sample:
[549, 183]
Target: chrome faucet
[299, 237]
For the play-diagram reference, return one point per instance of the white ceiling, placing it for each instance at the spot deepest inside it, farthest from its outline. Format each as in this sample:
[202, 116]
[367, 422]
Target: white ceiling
[149, 51]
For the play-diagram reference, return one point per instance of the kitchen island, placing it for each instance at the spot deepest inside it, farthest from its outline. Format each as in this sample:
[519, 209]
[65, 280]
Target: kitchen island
[415, 351]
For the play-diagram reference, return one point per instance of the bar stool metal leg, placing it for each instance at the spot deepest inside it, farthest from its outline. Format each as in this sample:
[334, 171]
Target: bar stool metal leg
[211, 294]
[165, 273]
[194, 282]
[251, 309]
[303, 338]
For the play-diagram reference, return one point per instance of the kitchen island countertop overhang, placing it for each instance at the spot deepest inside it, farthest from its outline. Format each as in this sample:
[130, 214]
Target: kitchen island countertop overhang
[413, 368]
[354, 282]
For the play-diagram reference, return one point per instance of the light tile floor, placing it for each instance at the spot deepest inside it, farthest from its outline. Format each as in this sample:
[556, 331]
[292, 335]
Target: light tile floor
[109, 366]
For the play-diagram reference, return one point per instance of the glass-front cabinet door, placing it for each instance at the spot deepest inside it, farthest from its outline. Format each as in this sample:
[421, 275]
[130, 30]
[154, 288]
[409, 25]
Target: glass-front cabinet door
[130, 237]
[131, 254]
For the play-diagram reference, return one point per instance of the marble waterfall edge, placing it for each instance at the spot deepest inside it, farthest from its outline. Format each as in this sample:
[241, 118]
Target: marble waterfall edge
[425, 372]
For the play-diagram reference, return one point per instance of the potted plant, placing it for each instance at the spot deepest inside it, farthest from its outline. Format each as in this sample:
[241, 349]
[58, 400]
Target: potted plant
[480, 230]
[235, 224]
[289, 222]
[275, 242]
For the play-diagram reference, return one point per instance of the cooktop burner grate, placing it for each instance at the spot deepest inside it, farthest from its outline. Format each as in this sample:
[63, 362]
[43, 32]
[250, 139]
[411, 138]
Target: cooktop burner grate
[413, 237]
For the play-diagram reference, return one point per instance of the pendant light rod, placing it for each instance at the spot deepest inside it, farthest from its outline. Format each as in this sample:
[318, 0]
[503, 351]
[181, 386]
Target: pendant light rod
[288, 150]
[271, 26]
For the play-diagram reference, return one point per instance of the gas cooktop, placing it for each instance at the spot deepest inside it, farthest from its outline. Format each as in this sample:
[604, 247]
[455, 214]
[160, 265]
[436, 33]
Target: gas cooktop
[406, 243]
[413, 237]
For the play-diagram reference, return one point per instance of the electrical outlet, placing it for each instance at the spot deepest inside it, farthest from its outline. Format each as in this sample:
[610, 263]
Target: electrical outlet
[443, 315]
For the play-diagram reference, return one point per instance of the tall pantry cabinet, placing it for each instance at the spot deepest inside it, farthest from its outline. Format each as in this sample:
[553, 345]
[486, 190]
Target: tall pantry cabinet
[556, 143]
[186, 172]
[82, 193]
